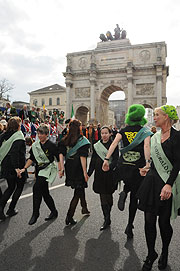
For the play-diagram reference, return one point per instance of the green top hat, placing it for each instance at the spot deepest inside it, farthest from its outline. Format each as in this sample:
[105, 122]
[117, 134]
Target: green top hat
[135, 115]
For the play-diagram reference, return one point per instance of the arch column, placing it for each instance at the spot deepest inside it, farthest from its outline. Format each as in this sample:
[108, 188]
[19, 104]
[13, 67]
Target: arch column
[130, 83]
[159, 79]
[92, 98]
[68, 99]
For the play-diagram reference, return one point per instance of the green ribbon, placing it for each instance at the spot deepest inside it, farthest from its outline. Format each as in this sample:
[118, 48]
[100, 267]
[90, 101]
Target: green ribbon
[164, 167]
[50, 171]
[101, 151]
[81, 142]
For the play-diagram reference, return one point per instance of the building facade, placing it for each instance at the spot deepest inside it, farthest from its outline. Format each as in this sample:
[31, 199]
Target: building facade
[52, 97]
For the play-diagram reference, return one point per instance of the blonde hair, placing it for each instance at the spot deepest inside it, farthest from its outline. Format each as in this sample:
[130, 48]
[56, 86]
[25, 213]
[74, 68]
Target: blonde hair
[172, 122]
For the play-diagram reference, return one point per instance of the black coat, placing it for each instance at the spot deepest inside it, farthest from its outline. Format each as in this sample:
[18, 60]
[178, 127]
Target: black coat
[104, 182]
[73, 167]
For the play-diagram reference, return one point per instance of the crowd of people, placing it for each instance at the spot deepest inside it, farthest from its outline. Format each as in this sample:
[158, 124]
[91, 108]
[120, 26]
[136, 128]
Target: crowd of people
[148, 165]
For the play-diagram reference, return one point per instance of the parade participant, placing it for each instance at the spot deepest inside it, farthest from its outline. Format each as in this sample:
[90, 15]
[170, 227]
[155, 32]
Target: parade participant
[34, 127]
[42, 154]
[158, 193]
[53, 132]
[23, 114]
[26, 128]
[4, 123]
[135, 154]
[96, 135]
[10, 111]
[104, 182]
[12, 158]
[74, 147]
[32, 115]
[85, 131]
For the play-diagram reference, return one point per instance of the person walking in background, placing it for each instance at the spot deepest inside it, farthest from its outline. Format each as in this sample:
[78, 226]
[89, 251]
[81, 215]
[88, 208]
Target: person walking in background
[135, 154]
[12, 159]
[104, 182]
[32, 115]
[10, 111]
[74, 148]
[96, 135]
[159, 193]
[42, 154]
[23, 114]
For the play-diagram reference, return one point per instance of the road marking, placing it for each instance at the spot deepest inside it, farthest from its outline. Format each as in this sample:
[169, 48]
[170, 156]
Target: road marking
[30, 194]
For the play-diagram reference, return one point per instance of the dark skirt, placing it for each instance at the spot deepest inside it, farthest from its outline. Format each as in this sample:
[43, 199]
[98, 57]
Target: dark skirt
[149, 193]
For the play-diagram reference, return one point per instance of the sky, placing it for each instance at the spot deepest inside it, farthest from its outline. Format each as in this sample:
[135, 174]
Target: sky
[36, 35]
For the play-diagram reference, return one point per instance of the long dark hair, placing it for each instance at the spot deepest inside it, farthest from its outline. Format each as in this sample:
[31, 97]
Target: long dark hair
[73, 133]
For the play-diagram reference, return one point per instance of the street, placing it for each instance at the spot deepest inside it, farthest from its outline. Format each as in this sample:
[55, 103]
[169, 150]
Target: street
[53, 246]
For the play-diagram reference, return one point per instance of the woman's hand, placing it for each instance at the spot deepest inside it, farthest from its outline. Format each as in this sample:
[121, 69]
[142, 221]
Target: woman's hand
[166, 192]
[61, 173]
[105, 166]
[143, 171]
[18, 171]
[86, 177]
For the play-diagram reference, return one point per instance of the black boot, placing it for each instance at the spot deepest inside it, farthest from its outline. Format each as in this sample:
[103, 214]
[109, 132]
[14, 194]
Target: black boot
[70, 220]
[149, 262]
[11, 212]
[128, 231]
[52, 215]
[107, 221]
[33, 219]
[162, 263]
[121, 201]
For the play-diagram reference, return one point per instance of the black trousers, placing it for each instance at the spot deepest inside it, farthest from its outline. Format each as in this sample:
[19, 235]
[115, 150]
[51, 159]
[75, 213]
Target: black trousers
[15, 188]
[165, 227]
[41, 190]
[79, 194]
[106, 199]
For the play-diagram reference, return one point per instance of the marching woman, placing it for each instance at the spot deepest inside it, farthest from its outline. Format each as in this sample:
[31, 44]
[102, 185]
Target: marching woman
[104, 182]
[12, 158]
[159, 193]
[74, 148]
[43, 153]
[135, 154]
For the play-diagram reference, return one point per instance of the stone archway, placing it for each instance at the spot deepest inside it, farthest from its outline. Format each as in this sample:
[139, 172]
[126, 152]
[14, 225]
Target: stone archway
[138, 70]
[82, 114]
[103, 104]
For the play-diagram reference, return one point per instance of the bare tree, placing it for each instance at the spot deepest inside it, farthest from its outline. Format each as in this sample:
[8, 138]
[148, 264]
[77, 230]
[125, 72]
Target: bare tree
[5, 86]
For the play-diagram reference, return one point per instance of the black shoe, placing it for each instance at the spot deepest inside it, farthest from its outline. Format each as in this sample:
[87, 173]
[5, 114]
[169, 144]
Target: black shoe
[162, 263]
[149, 262]
[33, 220]
[85, 211]
[11, 212]
[121, 201]
[52, 215]
[129, 232]
[70, 220]
[105, 225]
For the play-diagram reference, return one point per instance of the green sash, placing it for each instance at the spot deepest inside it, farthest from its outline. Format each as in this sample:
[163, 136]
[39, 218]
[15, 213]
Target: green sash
[81, 142]
[50, 171]
[101, 151]
[164, 167]
[141, 135]
[6, 145]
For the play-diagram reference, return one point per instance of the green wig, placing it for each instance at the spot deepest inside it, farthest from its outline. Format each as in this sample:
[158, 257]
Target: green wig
[135, 115]
[170, 110]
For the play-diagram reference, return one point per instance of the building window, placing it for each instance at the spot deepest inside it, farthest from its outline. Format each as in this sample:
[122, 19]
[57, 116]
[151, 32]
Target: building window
[58, 101]
[35, 102]
[50, 101]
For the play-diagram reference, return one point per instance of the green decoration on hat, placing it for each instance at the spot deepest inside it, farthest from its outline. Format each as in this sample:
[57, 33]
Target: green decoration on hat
[135, 115]
[170, 110]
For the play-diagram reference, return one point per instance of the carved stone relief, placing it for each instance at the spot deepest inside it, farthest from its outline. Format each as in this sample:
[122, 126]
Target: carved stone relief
[82, 92]
[83, 62]
[145, 89]
[144, 55]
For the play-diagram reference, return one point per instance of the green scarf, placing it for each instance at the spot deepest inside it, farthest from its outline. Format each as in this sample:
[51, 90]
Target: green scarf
[6, 145]
[164, 167]
[101, 151]
[49, 172]
[141, 135]
[81, 142]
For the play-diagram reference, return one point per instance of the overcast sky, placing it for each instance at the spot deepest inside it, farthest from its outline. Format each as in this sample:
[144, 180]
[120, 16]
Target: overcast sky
[36, 35]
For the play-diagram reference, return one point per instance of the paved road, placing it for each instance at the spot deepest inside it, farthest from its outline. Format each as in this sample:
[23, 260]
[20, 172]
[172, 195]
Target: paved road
[51, 246]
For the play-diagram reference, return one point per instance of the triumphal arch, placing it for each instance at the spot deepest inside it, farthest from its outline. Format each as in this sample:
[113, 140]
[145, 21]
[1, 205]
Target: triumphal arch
[139, 71]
